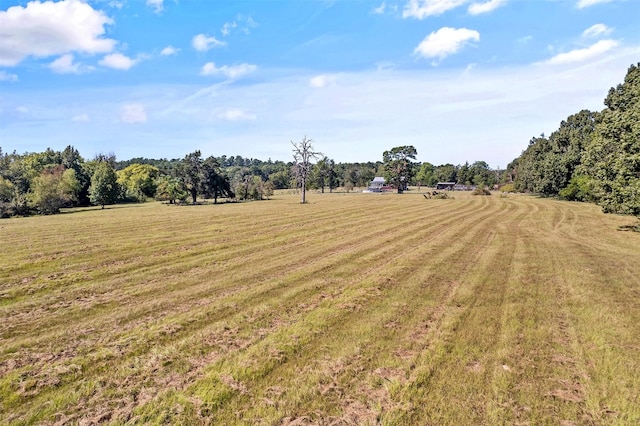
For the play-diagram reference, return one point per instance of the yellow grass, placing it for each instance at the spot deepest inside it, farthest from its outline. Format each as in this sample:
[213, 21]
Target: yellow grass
[352, 309]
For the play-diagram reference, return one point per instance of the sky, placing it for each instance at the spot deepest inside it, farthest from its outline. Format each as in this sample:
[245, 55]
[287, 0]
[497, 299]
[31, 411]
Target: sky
[460, 80]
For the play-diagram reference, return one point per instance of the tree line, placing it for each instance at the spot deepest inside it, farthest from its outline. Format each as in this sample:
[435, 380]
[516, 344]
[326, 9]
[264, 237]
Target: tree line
[593, 156]
[45, 182]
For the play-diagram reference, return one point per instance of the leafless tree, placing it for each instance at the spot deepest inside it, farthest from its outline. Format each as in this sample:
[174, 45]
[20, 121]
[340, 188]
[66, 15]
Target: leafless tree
[303, 154]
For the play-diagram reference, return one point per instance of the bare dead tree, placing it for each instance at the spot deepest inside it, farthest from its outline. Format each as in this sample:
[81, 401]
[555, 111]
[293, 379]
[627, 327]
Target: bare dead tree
[303, 154]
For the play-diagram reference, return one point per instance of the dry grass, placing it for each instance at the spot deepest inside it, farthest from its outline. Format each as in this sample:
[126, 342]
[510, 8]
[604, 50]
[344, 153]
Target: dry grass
[352, 309]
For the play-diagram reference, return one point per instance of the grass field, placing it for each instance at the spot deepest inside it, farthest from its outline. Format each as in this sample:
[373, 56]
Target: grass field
[352, 309]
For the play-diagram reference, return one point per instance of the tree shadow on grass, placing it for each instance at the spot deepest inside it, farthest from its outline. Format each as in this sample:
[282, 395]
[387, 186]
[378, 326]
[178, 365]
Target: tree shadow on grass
[203, 203]
[84, 209]
[632, 228]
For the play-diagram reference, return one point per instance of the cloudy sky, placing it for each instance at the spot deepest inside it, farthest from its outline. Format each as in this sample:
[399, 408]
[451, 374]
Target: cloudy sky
[461, 80]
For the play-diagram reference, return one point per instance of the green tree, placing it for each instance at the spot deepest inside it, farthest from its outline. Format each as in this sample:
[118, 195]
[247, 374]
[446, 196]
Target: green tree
[6, 189]
[53, 188]
[325, 174]
[71, 159]
[578, 189]
[332, 175]
[548, 164]
[138, 181]
[398, 166]
[256, 189]
[214, 184]
[169, 188]
[612, 159]
[281, 179]
[427, 174]
[267, 189]
[7, 194]
[530, 176]
[104, 184]
[482, 174]
[320, 172]
[242, 181]
[446, 173]
[189, 171]
[465, 174]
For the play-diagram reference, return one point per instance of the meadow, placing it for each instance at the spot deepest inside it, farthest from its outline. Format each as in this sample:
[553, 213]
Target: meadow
[351, 309]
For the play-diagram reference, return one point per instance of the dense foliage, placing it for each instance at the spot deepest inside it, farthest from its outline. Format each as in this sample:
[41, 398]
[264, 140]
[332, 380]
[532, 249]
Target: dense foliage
[398, 167]
[593, 156]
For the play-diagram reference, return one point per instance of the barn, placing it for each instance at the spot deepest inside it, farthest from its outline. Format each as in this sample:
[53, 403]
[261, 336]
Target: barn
[445, 186]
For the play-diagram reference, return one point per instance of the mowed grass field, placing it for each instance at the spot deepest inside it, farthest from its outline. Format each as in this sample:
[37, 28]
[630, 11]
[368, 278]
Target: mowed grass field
[352, 309]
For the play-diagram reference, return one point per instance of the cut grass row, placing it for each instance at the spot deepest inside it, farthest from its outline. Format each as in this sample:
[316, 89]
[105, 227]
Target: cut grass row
[352, 309]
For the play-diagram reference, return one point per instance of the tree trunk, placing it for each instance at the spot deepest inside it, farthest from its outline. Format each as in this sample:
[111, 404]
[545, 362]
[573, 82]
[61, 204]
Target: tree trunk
[304, 188]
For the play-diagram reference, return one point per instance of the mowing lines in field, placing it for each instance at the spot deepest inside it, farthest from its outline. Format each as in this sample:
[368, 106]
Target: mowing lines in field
[349, 309]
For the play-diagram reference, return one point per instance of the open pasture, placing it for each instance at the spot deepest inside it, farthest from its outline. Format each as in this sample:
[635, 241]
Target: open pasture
[352, 309]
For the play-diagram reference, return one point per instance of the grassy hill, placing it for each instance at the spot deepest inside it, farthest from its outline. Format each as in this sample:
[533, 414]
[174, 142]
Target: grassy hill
[352, 309]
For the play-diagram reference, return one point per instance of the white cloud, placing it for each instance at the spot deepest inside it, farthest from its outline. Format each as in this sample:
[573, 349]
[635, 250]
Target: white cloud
[236, 115]
[380, 9]
[596, 30]
[202, 42]
[5, 76]
[118, 61]
[169, 50]
[231, 72]
[242, 23]
[65, 65]
[580, 55]
[156, 4]
[488, 6]
[587, 3]
[322, 80]
[525, 39]
[421, 9]
[446, 41]
[249, 23]
[468, 69]
[81, 118]
[133, 113]
[227, 27]
[47, 29]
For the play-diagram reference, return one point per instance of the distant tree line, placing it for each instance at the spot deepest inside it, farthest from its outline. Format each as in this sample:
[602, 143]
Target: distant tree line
[45, 182]
[593, 156]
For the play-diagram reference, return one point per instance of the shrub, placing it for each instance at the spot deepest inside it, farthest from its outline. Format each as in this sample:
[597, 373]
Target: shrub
[441, 196]
[579, 189]
[481, 191]
[508, 188]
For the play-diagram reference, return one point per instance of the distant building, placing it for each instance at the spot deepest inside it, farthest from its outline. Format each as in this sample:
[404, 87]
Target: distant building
[445, 186]
[460, 187]
[378, 184]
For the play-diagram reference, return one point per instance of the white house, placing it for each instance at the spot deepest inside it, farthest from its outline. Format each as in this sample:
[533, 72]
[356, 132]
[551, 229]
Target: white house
[376, 185]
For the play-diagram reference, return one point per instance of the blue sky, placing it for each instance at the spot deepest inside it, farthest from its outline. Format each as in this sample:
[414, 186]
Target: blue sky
[461, 80]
